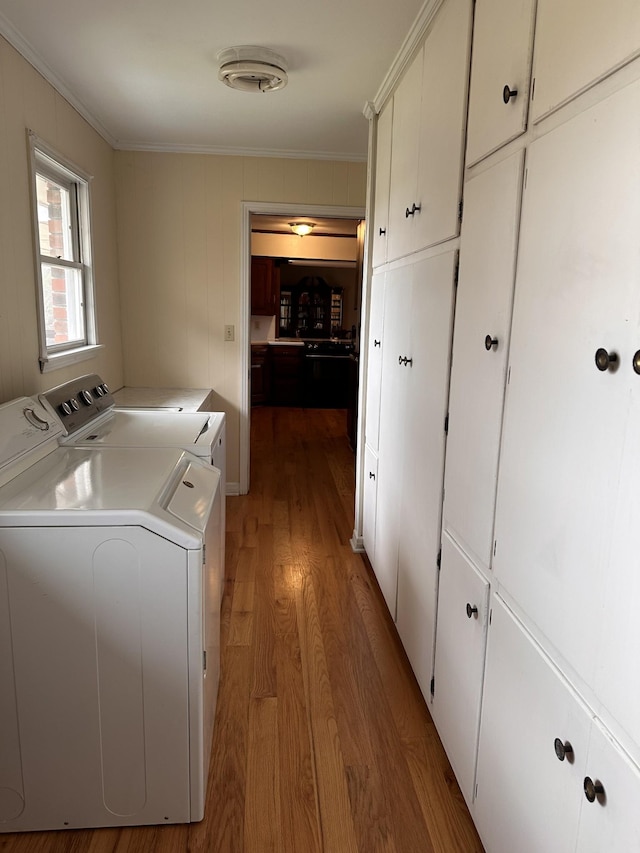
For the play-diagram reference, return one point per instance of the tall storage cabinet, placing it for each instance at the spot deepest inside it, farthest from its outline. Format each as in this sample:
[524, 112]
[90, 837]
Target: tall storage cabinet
[525, 640]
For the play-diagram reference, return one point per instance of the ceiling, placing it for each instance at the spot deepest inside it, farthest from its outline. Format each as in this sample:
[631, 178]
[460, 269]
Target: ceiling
[145, 74]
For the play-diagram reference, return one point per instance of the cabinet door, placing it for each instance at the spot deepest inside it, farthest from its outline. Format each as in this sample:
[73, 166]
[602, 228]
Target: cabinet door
[565, 422]
[383, 182]
[502, 45]
[428, 347]
[483, 309]
[370, 493]
[374, 360]
[578, 44]
[404, 159]
[526, 799]
[262, 286]
[397, 311]
[612, 821]
[443, 114]
[463, 598]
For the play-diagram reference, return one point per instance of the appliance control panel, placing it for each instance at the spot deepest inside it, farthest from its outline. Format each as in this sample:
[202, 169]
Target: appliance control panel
[78, 401]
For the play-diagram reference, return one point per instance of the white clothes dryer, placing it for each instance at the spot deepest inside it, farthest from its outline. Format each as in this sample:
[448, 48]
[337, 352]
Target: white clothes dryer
[109, 629]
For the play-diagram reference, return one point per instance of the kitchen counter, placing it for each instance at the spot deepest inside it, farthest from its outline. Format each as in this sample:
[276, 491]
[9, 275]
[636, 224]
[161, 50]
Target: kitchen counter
[171, 399]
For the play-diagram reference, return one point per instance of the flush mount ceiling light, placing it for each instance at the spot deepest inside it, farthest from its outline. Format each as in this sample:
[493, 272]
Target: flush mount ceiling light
[302, 228]
[252, 69]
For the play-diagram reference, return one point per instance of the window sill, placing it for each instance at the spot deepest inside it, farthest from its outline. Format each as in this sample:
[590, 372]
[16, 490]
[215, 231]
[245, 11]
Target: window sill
[57, 360]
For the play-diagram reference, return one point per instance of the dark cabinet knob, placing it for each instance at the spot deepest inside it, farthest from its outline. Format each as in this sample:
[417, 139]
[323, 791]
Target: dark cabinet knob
[372, 476]
[405, 361]
[490, 343]
[563, 750]
[376, 343]
[415, 208]
[508, 93]
[592, 789]
[472, 611]
[605, 360]
[382, 231]
[636, 361]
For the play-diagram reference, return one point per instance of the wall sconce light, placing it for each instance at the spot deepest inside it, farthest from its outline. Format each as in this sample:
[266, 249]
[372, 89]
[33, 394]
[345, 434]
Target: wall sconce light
[302, 228]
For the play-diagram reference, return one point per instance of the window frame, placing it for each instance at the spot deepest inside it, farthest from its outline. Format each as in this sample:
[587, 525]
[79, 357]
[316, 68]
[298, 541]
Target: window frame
[46, 161]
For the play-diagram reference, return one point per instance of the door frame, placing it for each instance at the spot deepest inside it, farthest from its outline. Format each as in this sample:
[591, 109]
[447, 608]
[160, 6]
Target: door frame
[275, 209]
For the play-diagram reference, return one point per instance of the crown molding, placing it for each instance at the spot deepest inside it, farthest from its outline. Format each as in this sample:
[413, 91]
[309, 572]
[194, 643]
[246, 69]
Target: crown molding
[409, 46]
[170, 148]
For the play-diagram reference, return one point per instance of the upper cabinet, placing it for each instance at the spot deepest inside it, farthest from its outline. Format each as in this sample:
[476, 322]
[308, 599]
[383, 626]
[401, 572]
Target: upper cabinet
[429, 115]
[578, 44]
[264, 286]
[383, 180]
[500, 74]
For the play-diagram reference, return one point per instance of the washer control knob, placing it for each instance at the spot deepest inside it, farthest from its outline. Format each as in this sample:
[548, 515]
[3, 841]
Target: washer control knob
[99, 391]
[105, 387]
[65, 408]
[86, 397]
[74, 404]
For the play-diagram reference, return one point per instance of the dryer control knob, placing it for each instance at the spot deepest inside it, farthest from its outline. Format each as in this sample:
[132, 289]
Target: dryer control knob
[65, 408]
[86, 397]
[99, 390]
[74, 404]
[105, 387]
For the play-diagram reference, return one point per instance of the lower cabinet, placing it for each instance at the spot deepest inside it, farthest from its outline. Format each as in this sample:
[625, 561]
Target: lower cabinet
[370, 496]
[287, 375]
[260, 374]
[463, 610]
[549, 777]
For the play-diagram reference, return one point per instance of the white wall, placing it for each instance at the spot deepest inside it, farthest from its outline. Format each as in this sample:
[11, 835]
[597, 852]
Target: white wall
[28, 101]
[179, 221]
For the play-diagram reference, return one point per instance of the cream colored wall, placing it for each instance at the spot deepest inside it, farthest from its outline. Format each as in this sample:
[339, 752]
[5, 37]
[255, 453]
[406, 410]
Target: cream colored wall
[179, 220]
[28, 101]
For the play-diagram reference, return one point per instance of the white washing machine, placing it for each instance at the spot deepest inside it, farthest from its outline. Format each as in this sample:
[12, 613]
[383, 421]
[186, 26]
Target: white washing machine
[109, 629]
[86, 409]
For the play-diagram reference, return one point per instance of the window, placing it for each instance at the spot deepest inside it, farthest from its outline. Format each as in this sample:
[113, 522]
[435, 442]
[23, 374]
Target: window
[62, 238]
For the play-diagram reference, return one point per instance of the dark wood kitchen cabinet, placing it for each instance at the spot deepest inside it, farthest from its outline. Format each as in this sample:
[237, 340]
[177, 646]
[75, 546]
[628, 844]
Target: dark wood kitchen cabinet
[287, 383]
[265, 286]
[260, 374]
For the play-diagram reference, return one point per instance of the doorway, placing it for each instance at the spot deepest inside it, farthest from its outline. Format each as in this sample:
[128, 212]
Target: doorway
[276, 218]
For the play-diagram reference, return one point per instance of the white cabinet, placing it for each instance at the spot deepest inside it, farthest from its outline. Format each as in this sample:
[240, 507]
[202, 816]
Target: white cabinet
[415, 377]
[382, 184]
[500, 74]
[427, 137]
[463, 599]
[578, 44]
[527, 798]
[611, 822]
[566, 422]
[483, 310]
[370, 495]
[374, 360]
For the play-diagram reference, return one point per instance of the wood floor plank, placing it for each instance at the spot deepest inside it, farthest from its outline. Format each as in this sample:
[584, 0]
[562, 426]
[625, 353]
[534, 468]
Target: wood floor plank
[299, 806]
[262, 798]
[338, 833]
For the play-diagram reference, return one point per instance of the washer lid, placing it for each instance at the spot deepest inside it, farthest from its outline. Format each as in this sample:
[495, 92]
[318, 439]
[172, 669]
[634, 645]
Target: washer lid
[118, 428]
[114, 486]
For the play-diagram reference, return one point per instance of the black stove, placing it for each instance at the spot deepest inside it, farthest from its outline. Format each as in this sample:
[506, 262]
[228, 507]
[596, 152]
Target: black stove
[341, 349]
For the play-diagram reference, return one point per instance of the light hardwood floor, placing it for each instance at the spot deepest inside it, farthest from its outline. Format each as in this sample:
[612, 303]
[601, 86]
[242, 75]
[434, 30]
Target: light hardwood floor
[323, 743]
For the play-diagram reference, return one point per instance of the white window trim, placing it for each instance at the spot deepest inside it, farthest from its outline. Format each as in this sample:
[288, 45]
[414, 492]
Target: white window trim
[54, 359]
